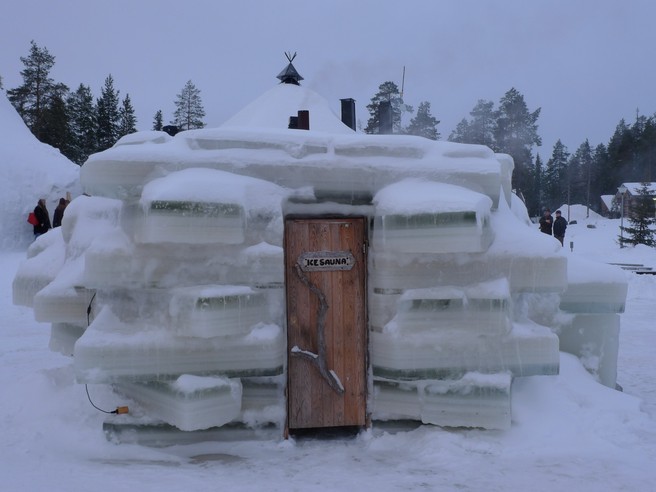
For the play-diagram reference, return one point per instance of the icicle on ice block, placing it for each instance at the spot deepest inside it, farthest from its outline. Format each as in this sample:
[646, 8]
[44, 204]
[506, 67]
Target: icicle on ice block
[424, 217]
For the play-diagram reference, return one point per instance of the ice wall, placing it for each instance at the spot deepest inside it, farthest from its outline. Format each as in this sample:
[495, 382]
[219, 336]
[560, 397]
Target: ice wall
[29, 170]
[168, 282]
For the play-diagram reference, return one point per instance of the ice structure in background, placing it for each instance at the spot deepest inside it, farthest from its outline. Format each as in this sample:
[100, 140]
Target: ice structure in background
[169, 284]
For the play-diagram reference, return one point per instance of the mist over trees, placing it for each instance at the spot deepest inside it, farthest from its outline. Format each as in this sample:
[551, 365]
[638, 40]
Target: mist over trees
[79, 125]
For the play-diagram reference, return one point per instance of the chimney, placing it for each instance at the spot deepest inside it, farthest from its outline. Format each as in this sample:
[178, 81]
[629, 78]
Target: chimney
[348, 112]
[385, 118]
[303, 119]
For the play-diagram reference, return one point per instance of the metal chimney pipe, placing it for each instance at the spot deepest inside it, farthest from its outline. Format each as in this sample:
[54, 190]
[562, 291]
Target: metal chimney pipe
[348, 112]
[303, 119]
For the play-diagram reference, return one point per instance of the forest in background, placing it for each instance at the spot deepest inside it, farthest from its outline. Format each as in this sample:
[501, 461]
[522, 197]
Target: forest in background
[79, 125]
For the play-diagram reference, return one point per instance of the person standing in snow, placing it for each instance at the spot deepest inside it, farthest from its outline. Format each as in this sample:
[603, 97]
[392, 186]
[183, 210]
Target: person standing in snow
[42, 216]
[546, 222]
[559, 226]
[59, 212]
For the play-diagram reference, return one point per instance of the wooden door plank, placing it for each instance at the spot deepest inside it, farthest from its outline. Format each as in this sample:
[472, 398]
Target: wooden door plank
[311, 401]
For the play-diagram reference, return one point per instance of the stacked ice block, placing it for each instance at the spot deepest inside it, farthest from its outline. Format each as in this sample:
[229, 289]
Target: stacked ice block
[176, 264]
[441, 292]
[594, 298]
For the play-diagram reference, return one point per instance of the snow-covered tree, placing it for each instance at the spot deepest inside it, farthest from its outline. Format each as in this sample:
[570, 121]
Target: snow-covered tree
[189, 112]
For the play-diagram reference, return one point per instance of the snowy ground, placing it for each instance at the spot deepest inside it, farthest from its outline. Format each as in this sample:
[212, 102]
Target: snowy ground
[568, 433]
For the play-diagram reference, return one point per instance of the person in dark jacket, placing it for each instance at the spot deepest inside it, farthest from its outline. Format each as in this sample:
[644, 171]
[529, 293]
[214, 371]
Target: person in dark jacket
[59, 212]
[546, 222]
[559, 226]
[41, 213]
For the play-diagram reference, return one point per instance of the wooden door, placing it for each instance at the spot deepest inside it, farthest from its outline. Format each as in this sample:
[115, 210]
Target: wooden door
[325, 268]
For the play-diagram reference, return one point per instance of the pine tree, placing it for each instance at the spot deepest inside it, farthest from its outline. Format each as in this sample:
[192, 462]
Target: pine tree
[189, 112]
[460, 133]
[620, 155]
[555, 177]
[388, 92]
[158, 121]
[55, 129]
[107, 115]
[481, 128]
[641, 219]
[424, 124]
[580, 174]
[644, 134]
[83, 124]
[515, 133]
[127, 121]
[538, 191]
[38, 91]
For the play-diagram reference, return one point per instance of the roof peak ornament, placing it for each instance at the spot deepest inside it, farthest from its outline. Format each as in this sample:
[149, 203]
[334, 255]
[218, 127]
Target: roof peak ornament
[290, 75]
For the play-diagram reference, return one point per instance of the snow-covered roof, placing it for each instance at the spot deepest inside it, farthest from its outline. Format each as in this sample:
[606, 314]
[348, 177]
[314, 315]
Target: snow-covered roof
[273, 108]
[607, 200]
[633, 188]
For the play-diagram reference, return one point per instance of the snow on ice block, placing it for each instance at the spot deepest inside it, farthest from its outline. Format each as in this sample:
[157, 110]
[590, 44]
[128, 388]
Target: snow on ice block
[594, 339]
[110, 351]
[45, 258]
[528, 350]
[190, 402]
[63, 337]
[203, 206]
[58, 304]
[538, 274]
[594, 288]
[482, 308]
[425, 217]
[334, 163]
[475, 400]
[208, 311]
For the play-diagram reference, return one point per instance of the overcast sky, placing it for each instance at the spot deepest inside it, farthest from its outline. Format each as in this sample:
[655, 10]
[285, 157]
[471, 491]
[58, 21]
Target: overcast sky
[586, 63]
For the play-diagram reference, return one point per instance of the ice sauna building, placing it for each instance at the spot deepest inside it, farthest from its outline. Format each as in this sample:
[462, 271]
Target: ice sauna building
[307, 277]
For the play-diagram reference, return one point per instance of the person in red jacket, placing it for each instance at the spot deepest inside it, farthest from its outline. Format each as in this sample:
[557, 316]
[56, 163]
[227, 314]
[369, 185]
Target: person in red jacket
[42, 216]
